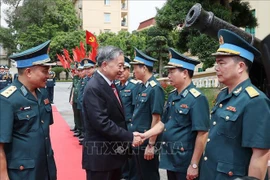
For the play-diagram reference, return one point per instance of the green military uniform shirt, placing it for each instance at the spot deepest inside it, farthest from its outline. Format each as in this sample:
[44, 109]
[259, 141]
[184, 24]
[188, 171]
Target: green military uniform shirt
[79, 85]
[127, 93]
[184, 115]
[240, 121]
[149, 100]
[82, 85]
[24, 129]
[75, 84]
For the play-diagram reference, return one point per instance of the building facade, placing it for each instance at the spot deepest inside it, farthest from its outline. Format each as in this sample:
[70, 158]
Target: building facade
[103, 15]
[3, 56]
[261, 11]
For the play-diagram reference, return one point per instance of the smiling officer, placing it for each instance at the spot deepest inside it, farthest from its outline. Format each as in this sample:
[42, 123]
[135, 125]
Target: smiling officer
[25, 145]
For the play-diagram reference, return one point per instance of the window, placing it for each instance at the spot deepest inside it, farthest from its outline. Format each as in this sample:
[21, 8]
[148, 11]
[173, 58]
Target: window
[107, 17]
[251, 30]
[106, 2]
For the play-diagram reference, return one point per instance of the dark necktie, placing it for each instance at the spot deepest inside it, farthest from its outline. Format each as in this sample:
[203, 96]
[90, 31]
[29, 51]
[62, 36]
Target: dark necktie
[116, 93]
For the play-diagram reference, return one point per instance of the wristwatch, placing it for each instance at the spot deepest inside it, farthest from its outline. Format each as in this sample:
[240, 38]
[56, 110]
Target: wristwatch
[194, 165]
[151, 144]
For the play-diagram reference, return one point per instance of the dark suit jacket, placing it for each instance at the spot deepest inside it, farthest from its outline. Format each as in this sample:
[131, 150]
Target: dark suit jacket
[106, 139]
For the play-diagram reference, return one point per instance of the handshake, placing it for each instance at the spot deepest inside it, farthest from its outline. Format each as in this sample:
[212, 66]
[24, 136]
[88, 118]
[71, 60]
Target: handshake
[138, 139]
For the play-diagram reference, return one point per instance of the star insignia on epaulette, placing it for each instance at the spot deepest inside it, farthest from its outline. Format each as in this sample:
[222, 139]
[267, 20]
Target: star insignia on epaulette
[133, 81]
[194, 92]
[9, 91]
[153, 83]
[252, 92]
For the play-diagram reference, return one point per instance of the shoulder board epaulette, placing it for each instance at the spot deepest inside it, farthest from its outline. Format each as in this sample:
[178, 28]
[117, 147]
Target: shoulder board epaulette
[10, 90]
[133, 81]
[153, 83]
[252, 92]
[223, 88]
[194, 92]
[172, 91]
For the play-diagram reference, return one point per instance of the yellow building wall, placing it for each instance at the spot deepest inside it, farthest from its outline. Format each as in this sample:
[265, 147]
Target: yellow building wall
[93, 16]
[262, 13]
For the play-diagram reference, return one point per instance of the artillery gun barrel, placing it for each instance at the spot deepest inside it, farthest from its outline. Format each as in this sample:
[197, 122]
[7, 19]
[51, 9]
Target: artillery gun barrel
[207, 23]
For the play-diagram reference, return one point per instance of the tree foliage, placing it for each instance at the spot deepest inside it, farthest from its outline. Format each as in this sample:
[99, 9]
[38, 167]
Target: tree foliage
[124, 40]
[173, 14]
[157, 46]
[32, 22]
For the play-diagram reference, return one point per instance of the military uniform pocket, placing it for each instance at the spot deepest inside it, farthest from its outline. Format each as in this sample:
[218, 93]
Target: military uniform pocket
[20, 168]
[182, 116]
[142, 104]
[26, 122]
[182, 153]
[230, 127]
[48, 108]
[229, 171]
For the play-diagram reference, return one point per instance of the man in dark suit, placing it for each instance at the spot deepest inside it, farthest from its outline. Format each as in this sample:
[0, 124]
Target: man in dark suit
[107, 140]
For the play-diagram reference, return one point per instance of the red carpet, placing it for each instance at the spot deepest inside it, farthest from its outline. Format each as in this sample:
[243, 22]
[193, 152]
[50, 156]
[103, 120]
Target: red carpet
[67, 151]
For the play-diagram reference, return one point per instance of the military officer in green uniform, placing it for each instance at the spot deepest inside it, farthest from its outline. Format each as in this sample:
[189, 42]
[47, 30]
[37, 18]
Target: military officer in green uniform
[239, 140]
[185, 121]
[3, 77]
[127, 90]
[148, 110]
[89, 68]
[74, 96]
[50, 86]
[25, 145]
[127, 86]
[81, 74]
[9, 75]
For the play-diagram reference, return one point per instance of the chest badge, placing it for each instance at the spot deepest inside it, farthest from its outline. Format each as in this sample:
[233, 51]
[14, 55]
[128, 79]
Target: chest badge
[184, 106]
[144, 94]
[127, 90]
[46, 101]
[230, 108]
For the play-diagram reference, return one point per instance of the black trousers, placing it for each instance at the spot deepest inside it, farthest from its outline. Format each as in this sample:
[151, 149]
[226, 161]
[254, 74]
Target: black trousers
[50, 93]
[176, 175]
[77, 116]
[145, 170]
[103, 175]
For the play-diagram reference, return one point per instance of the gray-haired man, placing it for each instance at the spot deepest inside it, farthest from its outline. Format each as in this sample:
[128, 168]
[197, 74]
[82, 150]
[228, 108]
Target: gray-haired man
[106, 136]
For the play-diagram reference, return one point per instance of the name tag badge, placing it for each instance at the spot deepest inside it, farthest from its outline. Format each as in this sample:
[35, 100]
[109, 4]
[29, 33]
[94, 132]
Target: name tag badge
[25, 108]
[144, 94]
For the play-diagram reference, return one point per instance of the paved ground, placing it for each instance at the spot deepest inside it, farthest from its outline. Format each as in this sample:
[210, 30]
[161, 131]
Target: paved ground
[61, 97]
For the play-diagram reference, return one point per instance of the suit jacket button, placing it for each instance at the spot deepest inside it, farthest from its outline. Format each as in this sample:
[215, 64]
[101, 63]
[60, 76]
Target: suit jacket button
[21, 167]
[230, 173]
